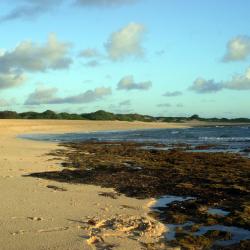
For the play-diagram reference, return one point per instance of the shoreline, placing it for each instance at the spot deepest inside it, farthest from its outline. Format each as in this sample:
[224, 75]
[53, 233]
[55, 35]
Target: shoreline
[170, 126]
[65, 216]
[191, 183]
[35, 216]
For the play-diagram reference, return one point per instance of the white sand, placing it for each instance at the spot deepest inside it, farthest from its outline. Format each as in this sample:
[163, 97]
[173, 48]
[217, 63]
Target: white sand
[35, 217]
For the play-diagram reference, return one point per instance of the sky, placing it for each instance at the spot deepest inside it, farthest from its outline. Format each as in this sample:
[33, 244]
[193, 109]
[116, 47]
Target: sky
[155, 57]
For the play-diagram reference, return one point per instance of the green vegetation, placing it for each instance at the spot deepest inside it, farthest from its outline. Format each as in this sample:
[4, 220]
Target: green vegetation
[102, 115]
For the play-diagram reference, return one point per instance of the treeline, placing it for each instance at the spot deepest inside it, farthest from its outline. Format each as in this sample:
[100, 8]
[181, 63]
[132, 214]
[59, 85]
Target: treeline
[103, 115]
[98, 115]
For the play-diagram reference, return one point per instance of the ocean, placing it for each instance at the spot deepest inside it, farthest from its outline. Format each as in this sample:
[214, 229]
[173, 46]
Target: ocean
[223, 138]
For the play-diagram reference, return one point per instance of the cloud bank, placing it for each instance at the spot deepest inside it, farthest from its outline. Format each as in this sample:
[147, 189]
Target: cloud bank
[48, 96]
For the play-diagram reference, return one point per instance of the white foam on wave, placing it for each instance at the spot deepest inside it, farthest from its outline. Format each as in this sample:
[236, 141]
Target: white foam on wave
[175, 132]
[226, 139]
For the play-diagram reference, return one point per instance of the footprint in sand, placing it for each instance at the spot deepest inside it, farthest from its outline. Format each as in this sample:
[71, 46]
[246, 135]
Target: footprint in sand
[29, 218]
[35, 218]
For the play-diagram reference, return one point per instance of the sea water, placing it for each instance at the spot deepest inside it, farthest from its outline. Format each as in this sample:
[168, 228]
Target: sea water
[223, 138]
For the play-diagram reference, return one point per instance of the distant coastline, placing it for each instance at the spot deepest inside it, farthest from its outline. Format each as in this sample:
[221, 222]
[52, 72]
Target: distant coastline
[102, 115]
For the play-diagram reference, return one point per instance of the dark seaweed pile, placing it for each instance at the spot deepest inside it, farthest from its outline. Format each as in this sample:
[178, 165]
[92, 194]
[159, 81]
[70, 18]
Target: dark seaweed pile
[215, 180]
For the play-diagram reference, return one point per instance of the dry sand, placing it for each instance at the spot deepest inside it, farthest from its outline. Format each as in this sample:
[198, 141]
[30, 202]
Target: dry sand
[33, 216]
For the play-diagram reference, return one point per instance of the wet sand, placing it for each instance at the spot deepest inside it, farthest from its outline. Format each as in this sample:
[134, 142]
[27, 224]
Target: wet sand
[34, 214]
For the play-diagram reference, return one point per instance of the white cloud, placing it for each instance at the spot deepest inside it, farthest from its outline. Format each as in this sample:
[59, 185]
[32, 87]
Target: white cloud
[94, 57]
[10, 80]
[28, 56]
[128, 83]
[41, 96]
[201, 85]
[239, 82]
[48, 96]
[126, 42]
[238, 49]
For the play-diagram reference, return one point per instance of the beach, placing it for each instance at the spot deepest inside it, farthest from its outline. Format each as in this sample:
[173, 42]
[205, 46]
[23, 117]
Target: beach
[33, 216]
[49, 203]
[124, 125]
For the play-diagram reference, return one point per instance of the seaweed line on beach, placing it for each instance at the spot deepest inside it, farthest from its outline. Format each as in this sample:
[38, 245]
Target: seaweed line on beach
[140, 170]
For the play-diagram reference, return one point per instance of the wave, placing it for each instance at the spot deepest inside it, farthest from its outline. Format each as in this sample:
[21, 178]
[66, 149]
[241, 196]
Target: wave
[226, 139]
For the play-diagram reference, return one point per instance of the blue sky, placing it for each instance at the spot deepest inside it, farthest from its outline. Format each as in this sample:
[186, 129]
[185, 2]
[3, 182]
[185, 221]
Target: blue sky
[157, 57]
